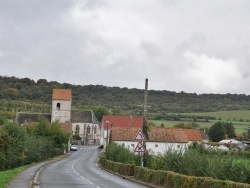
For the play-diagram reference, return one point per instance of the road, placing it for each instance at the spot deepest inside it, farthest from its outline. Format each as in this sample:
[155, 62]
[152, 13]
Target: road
[80, 170]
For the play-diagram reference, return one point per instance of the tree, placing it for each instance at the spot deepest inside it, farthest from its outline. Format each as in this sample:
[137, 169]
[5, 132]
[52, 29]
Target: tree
[229, 129]
[100, 111]
[216, 132]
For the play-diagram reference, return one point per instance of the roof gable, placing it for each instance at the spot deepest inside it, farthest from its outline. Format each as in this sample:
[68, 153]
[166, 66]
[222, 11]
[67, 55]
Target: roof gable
[61, 94]
[122, 121]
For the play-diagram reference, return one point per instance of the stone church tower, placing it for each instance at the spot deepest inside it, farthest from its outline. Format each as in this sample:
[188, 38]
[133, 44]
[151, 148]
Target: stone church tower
[61, 105]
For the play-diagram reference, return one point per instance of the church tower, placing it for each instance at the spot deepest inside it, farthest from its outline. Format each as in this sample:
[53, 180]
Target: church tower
[61, 105]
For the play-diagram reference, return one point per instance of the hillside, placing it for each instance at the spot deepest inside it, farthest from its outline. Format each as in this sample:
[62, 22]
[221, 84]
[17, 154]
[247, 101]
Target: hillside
[24, 94]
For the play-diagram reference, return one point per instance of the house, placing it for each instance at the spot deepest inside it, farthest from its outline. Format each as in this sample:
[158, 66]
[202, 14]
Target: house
[83, 124]
[110, 122]
[161, 139]
[193, 135]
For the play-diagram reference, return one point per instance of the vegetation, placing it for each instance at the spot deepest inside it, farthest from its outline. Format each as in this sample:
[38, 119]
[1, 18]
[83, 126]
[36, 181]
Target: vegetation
[7, 176]
[197, 161]
[118, 153]
[24, 145]
[24, 94]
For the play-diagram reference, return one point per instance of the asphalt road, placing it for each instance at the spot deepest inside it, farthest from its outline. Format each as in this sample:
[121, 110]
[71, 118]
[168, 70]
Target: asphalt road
[80, 170]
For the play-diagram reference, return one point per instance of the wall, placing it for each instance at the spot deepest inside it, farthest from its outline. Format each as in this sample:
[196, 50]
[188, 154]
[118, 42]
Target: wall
[62, 114]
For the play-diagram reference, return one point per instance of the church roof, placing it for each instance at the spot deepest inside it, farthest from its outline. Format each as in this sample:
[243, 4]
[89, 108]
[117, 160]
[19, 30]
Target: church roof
[85, 116]
[25, 117]
[61, 94]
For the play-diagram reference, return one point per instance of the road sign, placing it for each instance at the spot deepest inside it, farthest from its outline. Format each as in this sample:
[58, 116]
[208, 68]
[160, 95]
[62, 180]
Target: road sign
[139, 147]
[140, 136]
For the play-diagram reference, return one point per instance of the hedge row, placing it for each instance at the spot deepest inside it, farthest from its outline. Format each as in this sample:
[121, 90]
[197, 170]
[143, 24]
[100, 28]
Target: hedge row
[168, 178]
[123, 169]
[175, 180]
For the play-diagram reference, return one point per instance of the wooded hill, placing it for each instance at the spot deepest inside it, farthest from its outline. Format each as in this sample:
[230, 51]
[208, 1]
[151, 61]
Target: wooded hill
[24, 94]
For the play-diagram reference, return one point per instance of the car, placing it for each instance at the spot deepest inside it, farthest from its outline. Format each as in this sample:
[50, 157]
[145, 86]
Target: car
[73, 148]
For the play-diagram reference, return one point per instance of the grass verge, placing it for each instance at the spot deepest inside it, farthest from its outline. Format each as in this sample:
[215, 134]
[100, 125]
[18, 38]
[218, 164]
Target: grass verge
[8, 175]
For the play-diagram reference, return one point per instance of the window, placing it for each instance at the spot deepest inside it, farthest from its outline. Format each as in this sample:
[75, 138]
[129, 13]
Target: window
[88, 129]
[58, 105]
[95, 130]
[178, 146]
[156, 145]
[77, 130]
[132, 145]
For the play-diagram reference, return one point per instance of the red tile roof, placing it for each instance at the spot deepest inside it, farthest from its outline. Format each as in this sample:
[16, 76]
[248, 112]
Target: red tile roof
[61, 94]
[193, 134]
[156, 134]
[122, 122]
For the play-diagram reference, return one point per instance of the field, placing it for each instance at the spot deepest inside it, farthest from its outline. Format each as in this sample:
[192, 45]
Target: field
[240, 119]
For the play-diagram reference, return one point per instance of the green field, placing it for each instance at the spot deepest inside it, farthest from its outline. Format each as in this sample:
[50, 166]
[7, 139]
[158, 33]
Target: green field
[240, 119]
[234, 115]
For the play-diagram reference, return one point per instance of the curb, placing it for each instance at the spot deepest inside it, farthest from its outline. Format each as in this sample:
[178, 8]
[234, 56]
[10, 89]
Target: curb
[34, 183]
[130, 178]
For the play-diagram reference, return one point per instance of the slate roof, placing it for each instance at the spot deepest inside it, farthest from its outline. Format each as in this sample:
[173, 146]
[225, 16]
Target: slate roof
[122, 121]
[25, 118]
[84, 116]
[193, 135]
[61, 94]
[156, 134]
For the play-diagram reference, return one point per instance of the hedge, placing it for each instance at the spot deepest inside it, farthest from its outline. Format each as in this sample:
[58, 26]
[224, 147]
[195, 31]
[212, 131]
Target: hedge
[123, 169]
[167, 178]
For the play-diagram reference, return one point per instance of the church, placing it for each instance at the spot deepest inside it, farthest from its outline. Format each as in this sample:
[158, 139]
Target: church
[83, 124]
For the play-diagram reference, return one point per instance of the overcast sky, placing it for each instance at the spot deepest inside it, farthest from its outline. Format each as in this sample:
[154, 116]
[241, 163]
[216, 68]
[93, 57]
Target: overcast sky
[195, 46]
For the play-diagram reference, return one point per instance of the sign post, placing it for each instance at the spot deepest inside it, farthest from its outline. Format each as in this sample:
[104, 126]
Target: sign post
[139, 147]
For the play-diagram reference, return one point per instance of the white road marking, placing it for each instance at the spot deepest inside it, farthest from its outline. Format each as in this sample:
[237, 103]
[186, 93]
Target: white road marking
[77, 172]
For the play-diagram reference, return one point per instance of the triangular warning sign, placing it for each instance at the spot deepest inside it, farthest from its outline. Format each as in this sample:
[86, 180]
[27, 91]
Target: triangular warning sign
[140, 136]
[139, 147]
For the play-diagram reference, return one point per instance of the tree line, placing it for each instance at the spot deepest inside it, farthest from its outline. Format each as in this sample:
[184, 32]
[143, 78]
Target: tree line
[25, 94]
[21, 145]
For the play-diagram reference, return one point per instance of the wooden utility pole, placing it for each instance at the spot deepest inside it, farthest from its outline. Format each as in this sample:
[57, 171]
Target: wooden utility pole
[144, 113]
[145, 99]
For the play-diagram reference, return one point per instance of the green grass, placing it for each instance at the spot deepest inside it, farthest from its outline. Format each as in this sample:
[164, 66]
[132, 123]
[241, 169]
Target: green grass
[7, 176]
[239, 118]
[233, 115]
[240, 127]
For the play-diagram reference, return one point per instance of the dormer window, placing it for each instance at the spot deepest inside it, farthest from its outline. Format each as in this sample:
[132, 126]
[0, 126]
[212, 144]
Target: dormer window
[58, 105]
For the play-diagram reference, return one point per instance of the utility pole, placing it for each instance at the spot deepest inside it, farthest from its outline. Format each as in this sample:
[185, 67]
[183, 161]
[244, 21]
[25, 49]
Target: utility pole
[144, 113]
[145, 99]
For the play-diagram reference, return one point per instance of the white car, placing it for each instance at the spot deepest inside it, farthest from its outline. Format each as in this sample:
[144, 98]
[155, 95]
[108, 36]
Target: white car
[73, 148]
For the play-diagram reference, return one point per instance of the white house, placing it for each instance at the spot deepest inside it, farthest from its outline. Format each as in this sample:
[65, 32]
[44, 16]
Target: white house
[161, 140]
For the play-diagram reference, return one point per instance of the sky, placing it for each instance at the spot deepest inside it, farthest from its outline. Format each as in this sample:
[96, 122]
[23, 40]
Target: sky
[178, 45]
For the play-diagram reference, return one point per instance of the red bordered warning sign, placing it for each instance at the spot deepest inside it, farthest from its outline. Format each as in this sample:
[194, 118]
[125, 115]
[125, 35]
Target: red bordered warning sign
[139, 147]
[140, 136]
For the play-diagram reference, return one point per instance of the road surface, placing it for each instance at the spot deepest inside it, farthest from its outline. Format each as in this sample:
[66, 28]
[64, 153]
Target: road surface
[80, 170]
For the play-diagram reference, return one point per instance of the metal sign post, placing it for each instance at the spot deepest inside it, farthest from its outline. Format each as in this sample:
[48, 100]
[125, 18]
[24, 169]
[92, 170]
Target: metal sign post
[139, 147]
